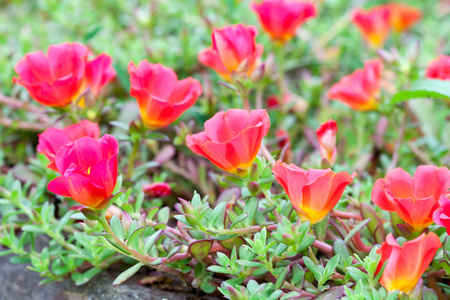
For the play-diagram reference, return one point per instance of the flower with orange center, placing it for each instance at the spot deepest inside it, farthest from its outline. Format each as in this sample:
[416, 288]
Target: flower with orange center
[413, 198]
[326, 134]
[55, 79]
[374, 24]
[403, 16]
[280, 19]
[161, 97]
[88, 169]
[233, 51]
[408, 262]
[313, 193]
[439, 68]
[360, 89]
[232, 139]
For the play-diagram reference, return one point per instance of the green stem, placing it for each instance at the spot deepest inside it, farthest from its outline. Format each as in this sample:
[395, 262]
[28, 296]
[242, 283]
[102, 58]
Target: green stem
[279, 56]
[136, 143]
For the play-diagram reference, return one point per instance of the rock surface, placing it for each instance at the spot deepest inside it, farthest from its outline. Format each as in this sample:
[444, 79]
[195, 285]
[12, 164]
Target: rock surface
[17, 282]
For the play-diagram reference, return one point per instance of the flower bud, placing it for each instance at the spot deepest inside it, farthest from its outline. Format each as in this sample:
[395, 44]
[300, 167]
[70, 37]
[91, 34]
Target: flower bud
[126, 221]
[157, 189]
[113, 210]
[254, 172]
[187, 207]
[288, 239]
[253, 188]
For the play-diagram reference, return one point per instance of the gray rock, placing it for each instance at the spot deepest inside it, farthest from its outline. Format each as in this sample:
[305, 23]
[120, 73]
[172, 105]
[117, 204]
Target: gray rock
[18, 282]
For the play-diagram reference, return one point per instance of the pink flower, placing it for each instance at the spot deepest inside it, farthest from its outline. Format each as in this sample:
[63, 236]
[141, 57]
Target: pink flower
[326, 134]
[233, 52]
[52, 139]
[280, 19]
[161, 97]
[88, 169]
[55, 79]
[441, 215]
[99, 72]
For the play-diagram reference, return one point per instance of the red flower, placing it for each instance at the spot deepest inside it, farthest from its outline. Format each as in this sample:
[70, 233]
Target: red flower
[280, 18]
[157, 189]
[88, 169]
[232, 139]
[99, 72]
[374, 24]
[407, 263]
[403, 16]
[162, 98]
[313, 193]
[233, 51]
[414, 199]
[439, 68]
[441, 216]
[52, 139]
[359, 89]
[326, 134]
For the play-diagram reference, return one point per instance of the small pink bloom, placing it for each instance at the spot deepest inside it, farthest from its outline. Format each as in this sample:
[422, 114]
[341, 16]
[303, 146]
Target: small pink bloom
[439, 68]
[52, 139]
[88, 169]
[161, 97]
[374, 24]
[280, 19]
[233, 52]
[326, 134]
[232, 139]
[99, 72]
[359, 90]
[441, 215]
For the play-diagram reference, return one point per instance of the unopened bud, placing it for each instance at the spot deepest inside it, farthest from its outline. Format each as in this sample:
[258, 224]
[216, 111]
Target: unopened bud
[385, 56]
[111, 211]
[253, 188]
[187, 207]
[288, 239]
[254, 172]
[157, 189]
[258, 74]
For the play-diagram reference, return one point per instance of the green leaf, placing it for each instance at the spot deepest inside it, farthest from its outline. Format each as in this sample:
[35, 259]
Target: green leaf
[153, 135]
[355, 230]
[127, 274]
[82, 278]
[312, 266]
[134, 235]
[200, 249]
[297, 273]
[116, 227]
[217, 212]
[235, 180]
[163, 215]
[339, 247]
[239, 219]
[78, 216]
[142, 169]
[282, 277]
[251, 205]
[424, 88]
[151, 241]
[247, 263]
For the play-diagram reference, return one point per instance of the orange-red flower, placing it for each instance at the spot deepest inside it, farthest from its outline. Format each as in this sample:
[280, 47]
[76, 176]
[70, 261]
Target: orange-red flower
[326, 134]
[414, 198]
[88, 169]
[55, 79]
[360, 89]
[99, 72]
[52, 139]
[439, 68]
[232, 139]
[374, 24]
[403, 16]
[441, 216]
[313, 193]
[408, 262]
[280, 19]
[233, 52]
[161, 97]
